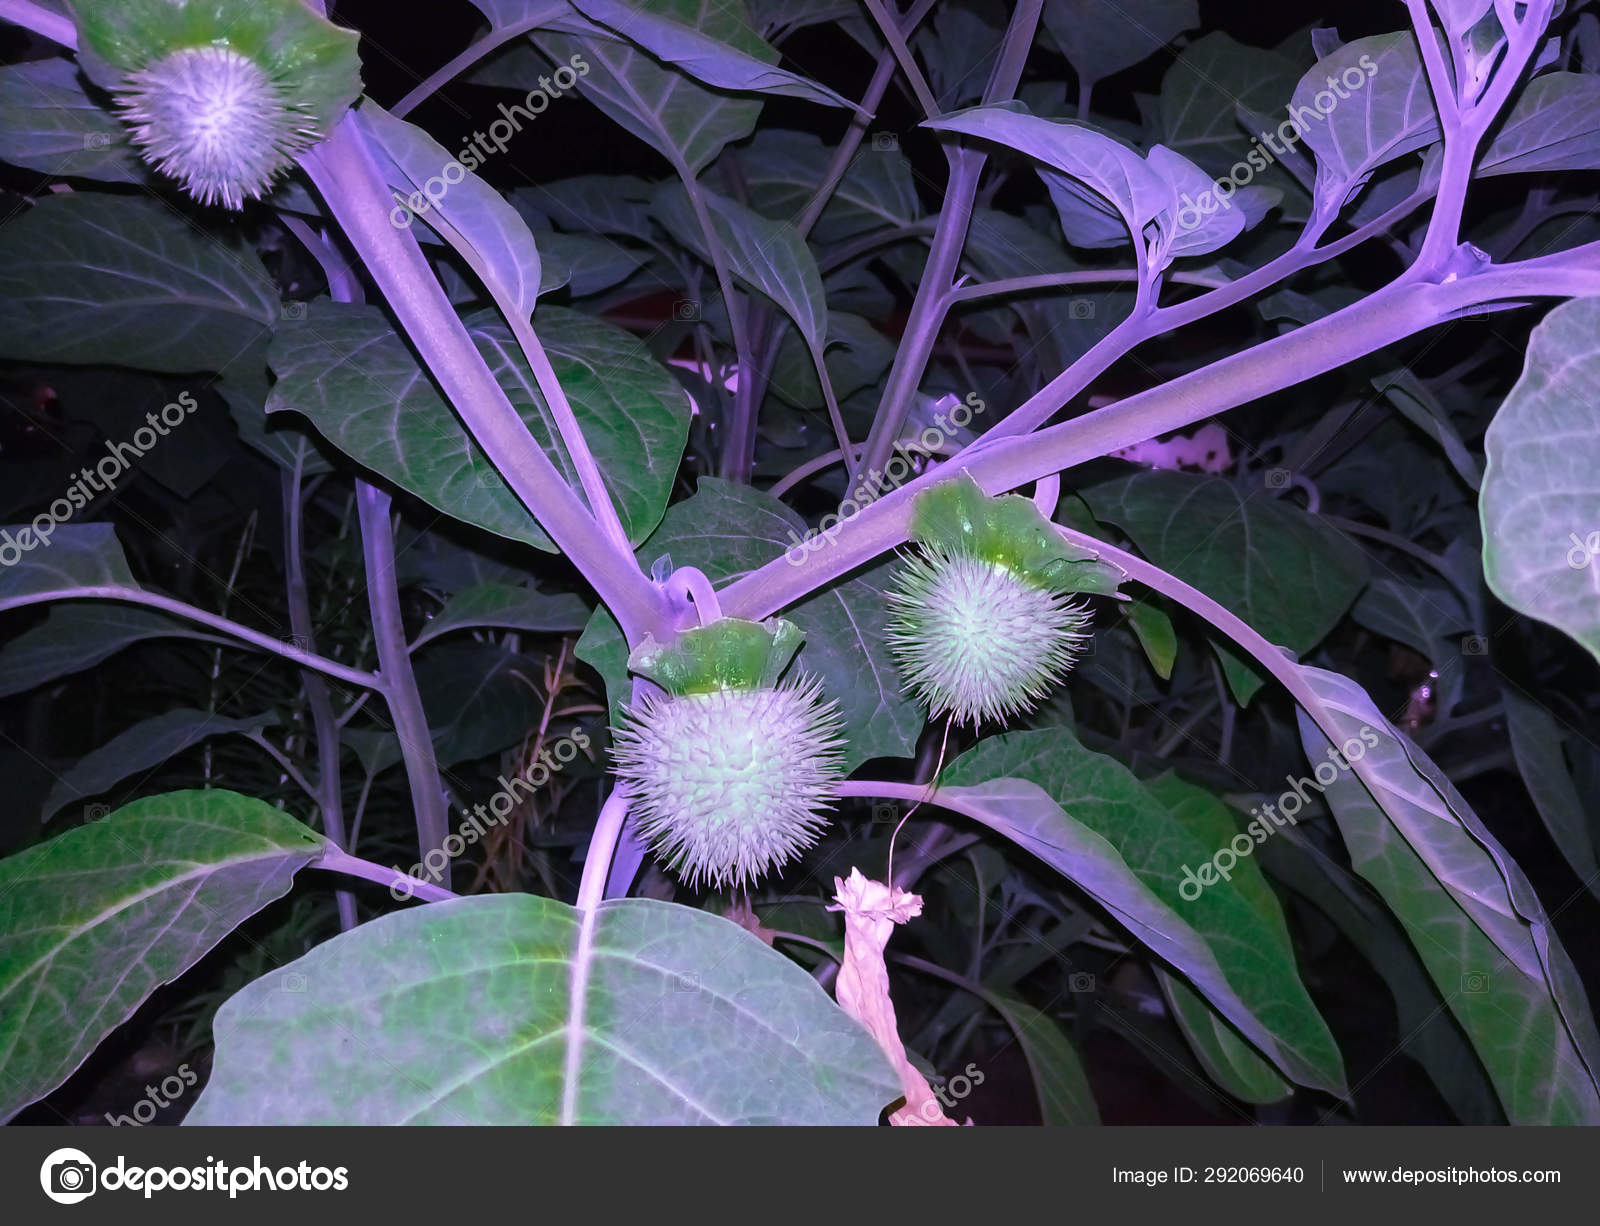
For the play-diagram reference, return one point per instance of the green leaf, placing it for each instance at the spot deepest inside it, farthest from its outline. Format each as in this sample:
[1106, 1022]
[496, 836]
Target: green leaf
[1221, 1050]
[50, 124]
[584, 263]
[1102, 37]
[782, 170]
[710, 60]
[1155, 633]
[1058, 1078]
[1227, 1059]
[75, 556]
[1387, 116]
[148, 743]
[685, 121]
[346, 370]
[94, 920]
[1554, 124]
[1084, 153]
[1537, 741]
[1422, 409]
[79, 635]
[1469, 911]
[506, 607]
[124, 281]
[1203, 91]
[485, 219]
[1088, 817]
[1198, 220]
[478, 697]
[1428, 1032]
[1269, 562]
[513, 1009]
[769, 256]
[1427, 617]
[1540, 502]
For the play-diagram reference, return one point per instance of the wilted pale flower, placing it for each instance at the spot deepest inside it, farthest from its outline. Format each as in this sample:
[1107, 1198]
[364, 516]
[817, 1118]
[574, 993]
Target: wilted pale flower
[976, 639]
[728, 784]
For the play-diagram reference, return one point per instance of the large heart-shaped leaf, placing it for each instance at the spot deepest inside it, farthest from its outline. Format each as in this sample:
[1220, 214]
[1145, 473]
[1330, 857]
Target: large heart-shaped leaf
[1540, 503]
[1469, 911]
[355, 378]
[512, 1009]
[96, 919]
[1088, 817]
[122, 280]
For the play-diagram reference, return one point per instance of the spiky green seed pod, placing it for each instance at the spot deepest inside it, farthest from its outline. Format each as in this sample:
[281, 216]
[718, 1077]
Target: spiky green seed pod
[222, 95]
[212, 119]
[730, 773]
[984, 621]
[977, 640]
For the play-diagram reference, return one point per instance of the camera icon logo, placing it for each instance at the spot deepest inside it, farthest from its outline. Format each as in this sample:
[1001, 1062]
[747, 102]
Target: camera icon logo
[97, 140]
[1081, 308]
[686, 310]
[885, 142]
[1080, 981]
[1278, 478]
[1475, 982]
[292, 310]
[68, 1176]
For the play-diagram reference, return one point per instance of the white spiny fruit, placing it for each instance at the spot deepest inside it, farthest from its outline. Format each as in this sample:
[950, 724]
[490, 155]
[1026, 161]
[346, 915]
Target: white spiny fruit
[976, 639]
[729, 784]
[213, 119]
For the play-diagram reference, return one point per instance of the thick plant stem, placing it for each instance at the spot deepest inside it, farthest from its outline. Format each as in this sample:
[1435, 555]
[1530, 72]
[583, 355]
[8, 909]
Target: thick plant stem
[324, 722]
[1390, 315]
[343, 171]
[394, 666]
[928, 308]
[932, 301]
